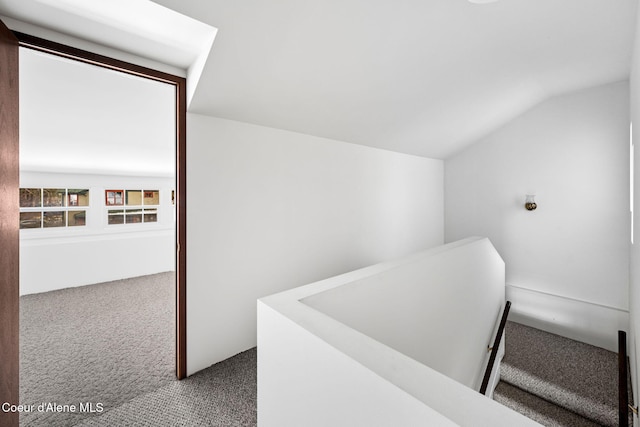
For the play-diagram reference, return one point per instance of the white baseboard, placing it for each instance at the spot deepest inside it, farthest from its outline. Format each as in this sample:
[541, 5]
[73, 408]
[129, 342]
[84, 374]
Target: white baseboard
[579, 320]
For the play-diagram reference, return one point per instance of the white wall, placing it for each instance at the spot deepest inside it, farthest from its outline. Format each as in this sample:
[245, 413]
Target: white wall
[270, 210]
[56, 258]
[572, 152]
[634, 282]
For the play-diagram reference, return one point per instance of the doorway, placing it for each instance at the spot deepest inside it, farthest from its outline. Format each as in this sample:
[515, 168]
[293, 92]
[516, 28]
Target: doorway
[9, 209]
[178, 195]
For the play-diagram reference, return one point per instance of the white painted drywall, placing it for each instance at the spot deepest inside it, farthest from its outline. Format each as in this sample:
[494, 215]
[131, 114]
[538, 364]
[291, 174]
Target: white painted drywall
[270, 210]
[56, 258]
[591, 323]
[572, 152]
[318, 370]
[634, 280]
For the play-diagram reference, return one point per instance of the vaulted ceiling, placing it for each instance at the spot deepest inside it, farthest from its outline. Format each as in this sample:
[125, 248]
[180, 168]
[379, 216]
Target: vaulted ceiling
[426, 77]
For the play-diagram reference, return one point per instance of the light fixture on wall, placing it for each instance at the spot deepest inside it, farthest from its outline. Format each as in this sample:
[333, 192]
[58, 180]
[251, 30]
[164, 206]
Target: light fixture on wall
[530, 202]
[482, 1]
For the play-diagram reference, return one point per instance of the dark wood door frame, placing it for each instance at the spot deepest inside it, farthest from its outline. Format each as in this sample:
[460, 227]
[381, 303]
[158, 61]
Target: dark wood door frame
[9, 228]
[180, 84]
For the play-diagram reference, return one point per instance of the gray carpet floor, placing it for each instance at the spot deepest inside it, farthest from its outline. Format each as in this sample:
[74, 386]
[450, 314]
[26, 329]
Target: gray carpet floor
[223, 395]
[113, 344]
[105, 343]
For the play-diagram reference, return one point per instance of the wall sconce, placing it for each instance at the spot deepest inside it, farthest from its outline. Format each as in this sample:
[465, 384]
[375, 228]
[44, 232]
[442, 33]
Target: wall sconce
[530, 202]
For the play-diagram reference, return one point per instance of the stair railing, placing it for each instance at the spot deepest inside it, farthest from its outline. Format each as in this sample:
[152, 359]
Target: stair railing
[623, 390]
[494, 349]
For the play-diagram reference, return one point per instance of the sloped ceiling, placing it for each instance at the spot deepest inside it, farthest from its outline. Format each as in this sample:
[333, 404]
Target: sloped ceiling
[425, 77]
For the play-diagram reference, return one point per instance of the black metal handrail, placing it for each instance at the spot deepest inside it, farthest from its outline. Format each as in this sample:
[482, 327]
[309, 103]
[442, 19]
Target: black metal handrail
[623, 387]
[494, 349]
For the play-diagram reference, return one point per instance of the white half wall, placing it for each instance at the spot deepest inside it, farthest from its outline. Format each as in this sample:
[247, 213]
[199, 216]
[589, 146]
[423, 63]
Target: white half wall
[572, 151]
[321, 386]
[269, 210]
[385, 345]
[441, 307]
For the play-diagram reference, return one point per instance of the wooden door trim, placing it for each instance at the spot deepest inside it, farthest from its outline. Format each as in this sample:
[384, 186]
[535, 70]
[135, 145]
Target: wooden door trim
[180, 84]
[9, 227]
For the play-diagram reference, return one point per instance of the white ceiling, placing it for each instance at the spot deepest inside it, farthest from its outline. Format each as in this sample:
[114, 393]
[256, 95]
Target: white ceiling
[80, 118]
[426, 77]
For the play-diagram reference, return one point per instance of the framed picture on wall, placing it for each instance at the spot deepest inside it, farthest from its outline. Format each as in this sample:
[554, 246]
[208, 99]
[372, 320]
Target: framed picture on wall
[114, 197]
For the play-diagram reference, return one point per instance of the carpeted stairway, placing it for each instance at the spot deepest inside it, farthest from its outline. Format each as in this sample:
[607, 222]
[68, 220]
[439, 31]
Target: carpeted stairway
[557, 381]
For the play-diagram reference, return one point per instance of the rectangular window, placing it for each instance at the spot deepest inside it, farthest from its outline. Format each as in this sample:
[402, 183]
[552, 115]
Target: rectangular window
[140, 206]
[30, 197]
[77, 218]
[114, 197]
[151, 198]
[116, 217]
[133, 216]
[30, 219]
[134, 197]
[150, 215]
[77, 197]
[54, 219]
[53, 197]
[53, 207]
